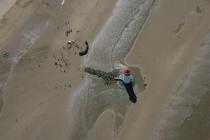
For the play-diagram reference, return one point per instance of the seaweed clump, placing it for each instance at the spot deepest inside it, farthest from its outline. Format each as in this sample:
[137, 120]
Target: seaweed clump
[108, 77]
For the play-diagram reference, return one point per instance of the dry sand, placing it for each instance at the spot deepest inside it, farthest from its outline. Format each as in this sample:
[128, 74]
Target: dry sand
[164, 50]
[36, 96]
[5, 5]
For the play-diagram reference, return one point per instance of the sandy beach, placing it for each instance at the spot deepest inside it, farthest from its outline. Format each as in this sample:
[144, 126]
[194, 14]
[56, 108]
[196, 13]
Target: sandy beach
[5, 6]
[37, 84]
[45, 94]
[171, 38]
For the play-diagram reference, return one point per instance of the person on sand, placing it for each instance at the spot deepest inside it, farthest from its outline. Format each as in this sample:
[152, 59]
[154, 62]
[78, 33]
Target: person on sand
[127, 80]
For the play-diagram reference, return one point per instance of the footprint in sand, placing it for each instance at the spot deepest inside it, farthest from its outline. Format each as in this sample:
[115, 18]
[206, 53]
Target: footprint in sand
[198, 10]
[24, 5]
[69, 30]
[179, 28]
[181, 25]
[67, 33]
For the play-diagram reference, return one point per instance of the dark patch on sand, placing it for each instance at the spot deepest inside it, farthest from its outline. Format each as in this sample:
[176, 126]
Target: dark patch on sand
[24, 4]
[4, 54]
[3, 21]
[67, 33]
[179, 28]
[82, 53]
[198, 10]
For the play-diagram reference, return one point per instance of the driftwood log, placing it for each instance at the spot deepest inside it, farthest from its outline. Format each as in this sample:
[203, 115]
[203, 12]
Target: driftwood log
[82, 53]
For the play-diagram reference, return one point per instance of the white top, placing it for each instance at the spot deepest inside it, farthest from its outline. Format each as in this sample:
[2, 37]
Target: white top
[126, 78]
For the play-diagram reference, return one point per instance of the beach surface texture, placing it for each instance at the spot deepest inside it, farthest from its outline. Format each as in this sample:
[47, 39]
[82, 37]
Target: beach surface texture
[45, 93]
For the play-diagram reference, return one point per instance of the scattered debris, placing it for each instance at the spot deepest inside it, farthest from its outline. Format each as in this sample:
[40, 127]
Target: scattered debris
[71, 48]
[71, 44]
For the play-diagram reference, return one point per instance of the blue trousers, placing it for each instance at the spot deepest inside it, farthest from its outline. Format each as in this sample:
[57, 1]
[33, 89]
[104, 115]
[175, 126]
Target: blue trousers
[131, 94]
